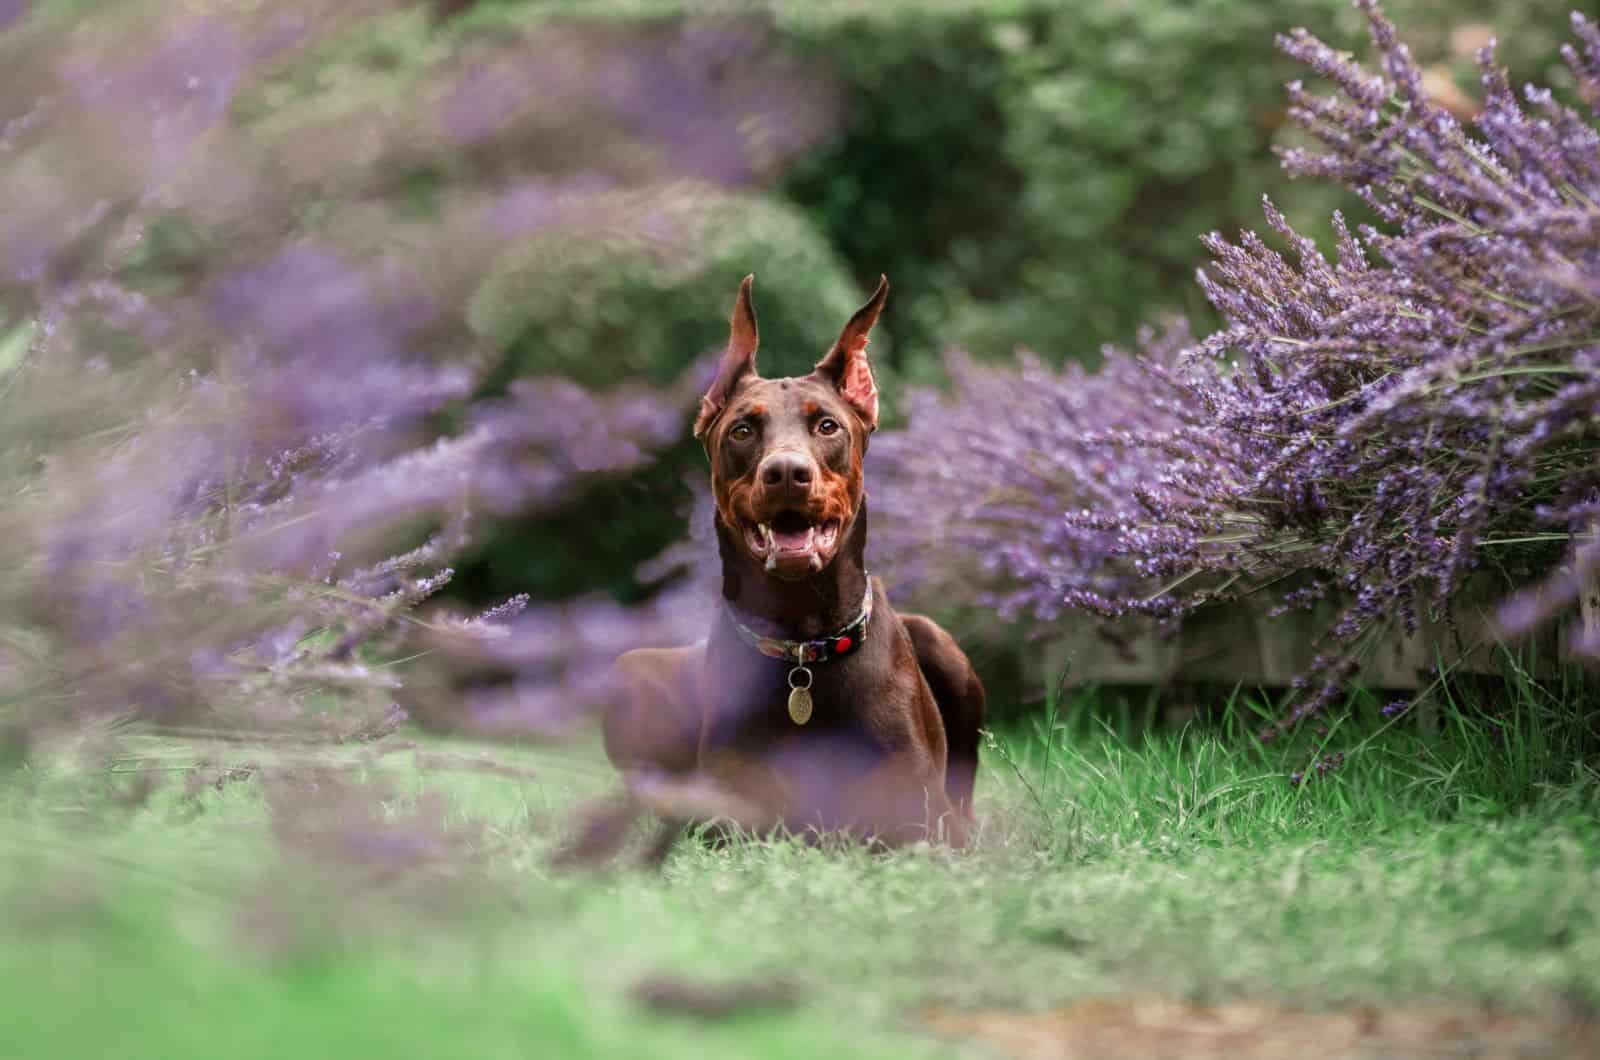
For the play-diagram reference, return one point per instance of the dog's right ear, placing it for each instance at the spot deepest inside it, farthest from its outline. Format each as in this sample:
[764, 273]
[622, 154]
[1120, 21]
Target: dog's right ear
[738, 360]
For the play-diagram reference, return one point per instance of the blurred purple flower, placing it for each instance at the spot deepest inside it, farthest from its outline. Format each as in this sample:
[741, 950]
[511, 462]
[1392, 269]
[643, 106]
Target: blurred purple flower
[1396, 708]
[328, 354]
[162, 99]
[239, 438]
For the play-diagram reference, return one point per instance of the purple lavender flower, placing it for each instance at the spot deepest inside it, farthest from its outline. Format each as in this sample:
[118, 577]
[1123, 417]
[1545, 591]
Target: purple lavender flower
[1409, 421]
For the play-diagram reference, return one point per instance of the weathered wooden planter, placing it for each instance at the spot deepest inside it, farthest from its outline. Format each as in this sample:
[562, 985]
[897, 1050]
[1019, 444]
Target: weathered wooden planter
[1240, 644]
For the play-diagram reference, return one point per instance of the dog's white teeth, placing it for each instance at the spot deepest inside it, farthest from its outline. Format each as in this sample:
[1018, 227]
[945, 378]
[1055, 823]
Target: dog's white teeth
[766, 533]
[816, 561]
[772, 561]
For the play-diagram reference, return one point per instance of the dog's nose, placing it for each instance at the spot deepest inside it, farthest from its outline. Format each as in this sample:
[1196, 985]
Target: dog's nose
[788, 470]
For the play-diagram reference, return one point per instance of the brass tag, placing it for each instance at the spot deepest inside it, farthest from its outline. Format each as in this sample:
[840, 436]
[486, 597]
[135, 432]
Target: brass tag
[799, 705]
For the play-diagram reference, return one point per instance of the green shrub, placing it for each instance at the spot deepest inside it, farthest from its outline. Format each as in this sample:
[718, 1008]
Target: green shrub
[648, 290]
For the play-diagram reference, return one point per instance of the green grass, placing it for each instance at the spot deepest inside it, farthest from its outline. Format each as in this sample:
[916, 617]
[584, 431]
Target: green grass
[1454, 867]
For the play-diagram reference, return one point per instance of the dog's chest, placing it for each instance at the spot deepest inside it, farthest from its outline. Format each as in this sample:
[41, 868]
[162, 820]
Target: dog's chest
[750, 709]
[810, 774]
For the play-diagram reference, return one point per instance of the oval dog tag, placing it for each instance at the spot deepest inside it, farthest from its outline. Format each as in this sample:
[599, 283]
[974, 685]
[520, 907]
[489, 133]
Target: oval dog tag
[799, 705]
[800, 694]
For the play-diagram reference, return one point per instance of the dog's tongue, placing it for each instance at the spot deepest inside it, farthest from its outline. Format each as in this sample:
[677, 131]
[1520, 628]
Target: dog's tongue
[792, 540]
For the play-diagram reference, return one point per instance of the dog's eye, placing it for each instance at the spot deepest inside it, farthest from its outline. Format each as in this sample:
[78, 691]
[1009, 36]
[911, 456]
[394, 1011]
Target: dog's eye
[828, 427]
[740, 432]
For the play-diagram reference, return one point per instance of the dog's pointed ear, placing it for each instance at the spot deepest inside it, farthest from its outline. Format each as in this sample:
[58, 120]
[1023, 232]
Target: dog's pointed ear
[738, 360]
[846, 365]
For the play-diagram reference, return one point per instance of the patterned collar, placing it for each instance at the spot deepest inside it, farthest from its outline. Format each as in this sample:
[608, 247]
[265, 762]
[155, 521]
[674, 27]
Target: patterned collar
[801, 652]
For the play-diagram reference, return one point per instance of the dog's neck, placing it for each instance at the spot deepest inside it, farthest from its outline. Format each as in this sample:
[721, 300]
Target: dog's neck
[805, 608]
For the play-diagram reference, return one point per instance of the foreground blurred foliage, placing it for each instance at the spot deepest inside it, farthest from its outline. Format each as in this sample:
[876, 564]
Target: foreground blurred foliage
[246, 422]
[1438, 874]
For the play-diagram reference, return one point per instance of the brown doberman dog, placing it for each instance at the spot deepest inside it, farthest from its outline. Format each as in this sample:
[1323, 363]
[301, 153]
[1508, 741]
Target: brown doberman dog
[812, 703]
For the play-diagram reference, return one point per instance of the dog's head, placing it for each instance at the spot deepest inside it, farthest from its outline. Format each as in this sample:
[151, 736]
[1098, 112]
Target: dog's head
[786, 454]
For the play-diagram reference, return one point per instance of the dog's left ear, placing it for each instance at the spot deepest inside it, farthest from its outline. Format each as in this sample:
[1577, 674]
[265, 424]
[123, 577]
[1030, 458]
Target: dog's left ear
[846, 365]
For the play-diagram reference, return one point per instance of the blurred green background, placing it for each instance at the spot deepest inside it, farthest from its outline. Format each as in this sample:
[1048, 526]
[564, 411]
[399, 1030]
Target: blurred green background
[1029, 175]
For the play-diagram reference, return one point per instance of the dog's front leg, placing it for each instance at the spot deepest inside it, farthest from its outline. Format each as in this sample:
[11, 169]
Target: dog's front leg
[903, 800]
[653, 716]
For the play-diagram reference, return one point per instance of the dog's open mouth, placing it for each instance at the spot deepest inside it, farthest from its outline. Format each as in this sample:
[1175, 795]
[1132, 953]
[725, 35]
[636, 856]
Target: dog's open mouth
[791, 544]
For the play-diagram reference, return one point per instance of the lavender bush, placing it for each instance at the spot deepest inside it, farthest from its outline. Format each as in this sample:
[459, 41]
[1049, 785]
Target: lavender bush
[243, 428]
[1385, 429]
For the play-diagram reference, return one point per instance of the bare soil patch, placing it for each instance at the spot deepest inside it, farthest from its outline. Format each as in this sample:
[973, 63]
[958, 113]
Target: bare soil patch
[1111, 1029]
